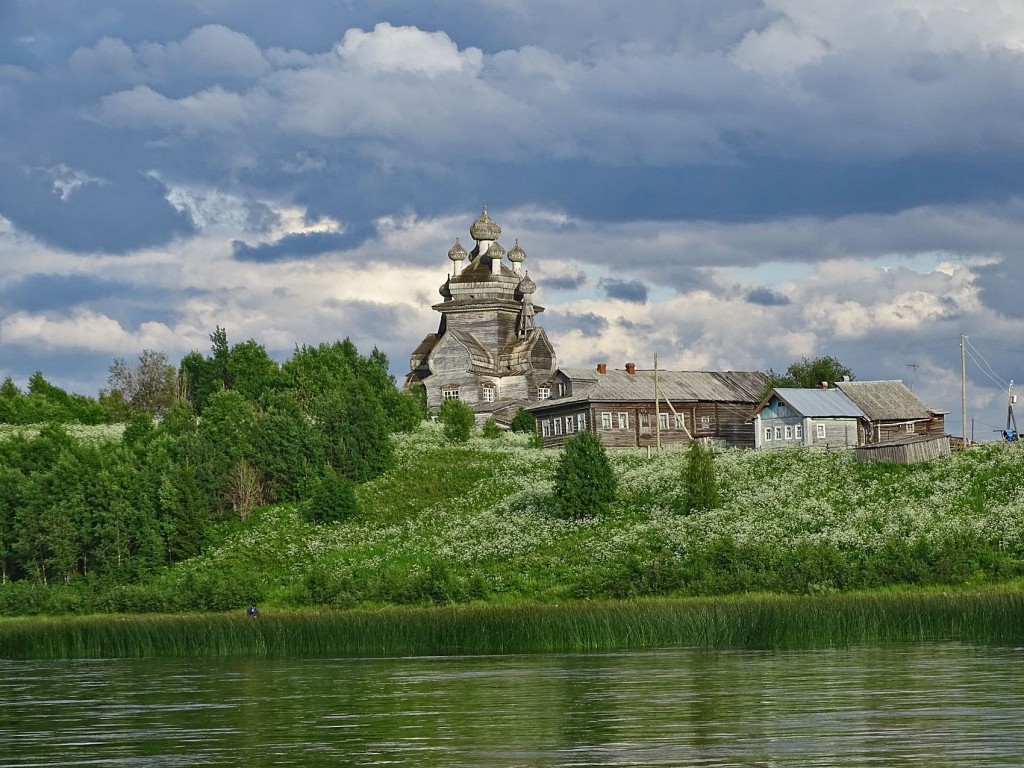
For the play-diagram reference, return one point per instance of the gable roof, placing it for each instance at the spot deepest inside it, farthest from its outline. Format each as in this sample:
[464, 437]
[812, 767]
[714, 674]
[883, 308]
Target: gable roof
[886, 400]
[816, 403]
[677, 386]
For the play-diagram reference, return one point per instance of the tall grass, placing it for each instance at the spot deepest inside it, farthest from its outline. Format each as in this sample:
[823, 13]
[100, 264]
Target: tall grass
[758, 622]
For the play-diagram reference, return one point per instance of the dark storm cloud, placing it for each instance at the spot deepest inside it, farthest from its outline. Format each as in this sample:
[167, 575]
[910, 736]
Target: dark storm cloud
[302, 245]
[626, 290]
[565, 283]
[127, 303]
[109, 215]
[766, 297]
[1002, 287]
[558, 322]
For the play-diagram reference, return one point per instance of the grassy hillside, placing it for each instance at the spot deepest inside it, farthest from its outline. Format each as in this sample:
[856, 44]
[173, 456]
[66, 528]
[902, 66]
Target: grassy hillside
[473, 523]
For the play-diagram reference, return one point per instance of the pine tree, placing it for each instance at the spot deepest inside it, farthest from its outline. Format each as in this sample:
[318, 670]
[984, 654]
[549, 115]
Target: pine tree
[700, 482]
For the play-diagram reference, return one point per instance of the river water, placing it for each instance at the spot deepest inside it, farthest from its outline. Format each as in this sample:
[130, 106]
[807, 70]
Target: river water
[929, 705]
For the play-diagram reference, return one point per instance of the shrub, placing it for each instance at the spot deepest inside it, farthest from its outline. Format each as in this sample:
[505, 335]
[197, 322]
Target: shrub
[523, 421]
[456, 419]
[491, 430]
[584, 481]
[331, 500]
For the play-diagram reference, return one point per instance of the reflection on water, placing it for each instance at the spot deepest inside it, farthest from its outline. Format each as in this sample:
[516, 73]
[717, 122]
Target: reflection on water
[905, 706]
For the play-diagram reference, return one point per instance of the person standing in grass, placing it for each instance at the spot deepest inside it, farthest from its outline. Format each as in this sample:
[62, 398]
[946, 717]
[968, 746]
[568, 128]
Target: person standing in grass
[253, 611]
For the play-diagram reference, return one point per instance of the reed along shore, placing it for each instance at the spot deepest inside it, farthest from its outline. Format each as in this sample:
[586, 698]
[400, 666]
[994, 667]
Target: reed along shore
[990, 617]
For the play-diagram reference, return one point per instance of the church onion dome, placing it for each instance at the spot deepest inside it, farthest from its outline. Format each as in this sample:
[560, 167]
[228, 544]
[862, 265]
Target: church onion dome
[457, 252]
[527, 286]
[495, 251]
[445, 290]
[517, 253]
[485, 228]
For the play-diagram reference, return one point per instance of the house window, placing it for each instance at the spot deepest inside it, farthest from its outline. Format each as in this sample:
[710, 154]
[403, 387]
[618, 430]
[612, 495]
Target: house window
[570, 422]
[488, 394]
[623, 420]
[820, 431]
[910, 428]
[680, 422]
[798, 432]
[543, 393]
[780, 411]
[789, 433]
[545, 428]
[767, 434]
[778, 433]
[663, 421]
[558, 426]
[581, 422]
[450, 394]
[606, 420]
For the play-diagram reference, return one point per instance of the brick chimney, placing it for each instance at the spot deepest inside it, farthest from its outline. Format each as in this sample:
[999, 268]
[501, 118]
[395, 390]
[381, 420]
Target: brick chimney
[602, 368]
[630, 368]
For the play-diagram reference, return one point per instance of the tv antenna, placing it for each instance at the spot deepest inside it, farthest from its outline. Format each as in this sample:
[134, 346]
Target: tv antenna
[913, 376]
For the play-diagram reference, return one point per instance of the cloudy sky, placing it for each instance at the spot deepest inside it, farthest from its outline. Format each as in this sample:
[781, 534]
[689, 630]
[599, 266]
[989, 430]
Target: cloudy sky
[731, 184]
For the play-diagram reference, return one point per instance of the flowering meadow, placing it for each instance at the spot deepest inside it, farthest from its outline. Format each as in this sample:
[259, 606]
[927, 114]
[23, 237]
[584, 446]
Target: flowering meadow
[479, 522]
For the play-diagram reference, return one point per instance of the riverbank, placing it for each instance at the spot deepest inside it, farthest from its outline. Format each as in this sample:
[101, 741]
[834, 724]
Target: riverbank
[994, 616]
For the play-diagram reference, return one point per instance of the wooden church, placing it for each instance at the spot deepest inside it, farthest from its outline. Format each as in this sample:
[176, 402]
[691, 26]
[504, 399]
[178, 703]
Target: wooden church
[488, 350]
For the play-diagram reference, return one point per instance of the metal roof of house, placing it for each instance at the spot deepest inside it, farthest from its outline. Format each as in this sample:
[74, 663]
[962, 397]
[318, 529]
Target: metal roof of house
[819, 403]
[886, 400]
[677, 386]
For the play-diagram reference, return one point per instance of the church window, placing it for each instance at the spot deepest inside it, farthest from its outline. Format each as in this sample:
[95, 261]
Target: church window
[488, 393]
[543, 393]
[450, 394]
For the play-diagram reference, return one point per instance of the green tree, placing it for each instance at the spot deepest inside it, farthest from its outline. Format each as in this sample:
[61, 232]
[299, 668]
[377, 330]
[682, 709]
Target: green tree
[810, 374]
[149, 385]
[286, 447]
[699, 480]
[356, 438]
[491, 430]
[456, 419]
[584, 482]
[250, 370]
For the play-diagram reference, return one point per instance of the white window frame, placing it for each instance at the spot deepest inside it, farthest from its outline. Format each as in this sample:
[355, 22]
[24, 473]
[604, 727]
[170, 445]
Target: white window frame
[798, 432]
[789, 432]
[606, 420]
[820, 431]
[570, 424]
[767, 434]
[450, 393]
[545, 428]
[910, 428]
[778, 433]
[662, 421]
[581, 422]
[623, 420]
[543, 393]
[680, 421]
[489, 393]
[558, 426]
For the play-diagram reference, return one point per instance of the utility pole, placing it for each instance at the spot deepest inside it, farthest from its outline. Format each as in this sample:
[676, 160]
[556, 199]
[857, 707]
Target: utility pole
[657, 413]
[963, 383]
